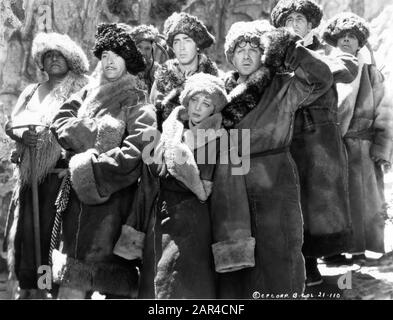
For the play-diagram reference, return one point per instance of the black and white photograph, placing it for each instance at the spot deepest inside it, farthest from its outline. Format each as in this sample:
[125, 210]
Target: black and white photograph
[214, 151]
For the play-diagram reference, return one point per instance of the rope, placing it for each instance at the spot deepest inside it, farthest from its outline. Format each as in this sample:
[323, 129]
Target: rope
[60, 204]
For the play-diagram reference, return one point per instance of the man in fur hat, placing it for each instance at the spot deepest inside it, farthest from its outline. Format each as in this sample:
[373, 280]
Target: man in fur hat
[147, 41]
[366, 123]
[102, 128]
[187, 36]
[65, 65]
[317, 147]
[263, 101]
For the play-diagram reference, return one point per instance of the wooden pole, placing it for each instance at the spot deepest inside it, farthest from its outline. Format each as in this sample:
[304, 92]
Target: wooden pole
[36, 214]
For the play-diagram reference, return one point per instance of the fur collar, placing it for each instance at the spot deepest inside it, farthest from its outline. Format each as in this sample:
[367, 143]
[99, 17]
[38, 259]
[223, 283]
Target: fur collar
[178, 146]
[100, 93]
[245, 96]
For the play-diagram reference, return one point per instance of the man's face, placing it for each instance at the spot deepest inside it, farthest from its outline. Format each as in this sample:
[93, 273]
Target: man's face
[113, 65]
[298, 23]
[199, 108]
[349, 43]
[146, 48]
[54, 63]
[246, 58]
[185, 48]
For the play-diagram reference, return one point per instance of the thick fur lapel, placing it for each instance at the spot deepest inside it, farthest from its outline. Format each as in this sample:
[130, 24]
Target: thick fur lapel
[102, 93]
[245, 96]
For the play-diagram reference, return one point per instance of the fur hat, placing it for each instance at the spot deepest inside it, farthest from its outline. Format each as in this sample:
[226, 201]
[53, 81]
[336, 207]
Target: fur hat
[116, 37]
[345, 22]
[72, 52]
[189, 25]
[205, 83]
[308, 8]
[144, 33]
[239, 31]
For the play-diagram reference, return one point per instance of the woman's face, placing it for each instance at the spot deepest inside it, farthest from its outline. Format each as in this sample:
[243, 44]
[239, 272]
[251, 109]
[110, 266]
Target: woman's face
[113, 65]
[200, 107]
[54, 63]
[247, 58]
[349, 43]
[185, 49]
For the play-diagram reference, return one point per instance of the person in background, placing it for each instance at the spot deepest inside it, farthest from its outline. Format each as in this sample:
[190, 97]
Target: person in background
[366, 121]
[65, 64]
[317, 146]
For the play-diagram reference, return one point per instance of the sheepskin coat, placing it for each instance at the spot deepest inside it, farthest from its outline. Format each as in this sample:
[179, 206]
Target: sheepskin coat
[268, 194]
[19, 234]
[102, 128]
[169, 83]
[369, 134]
[320, 156]
[177, 256]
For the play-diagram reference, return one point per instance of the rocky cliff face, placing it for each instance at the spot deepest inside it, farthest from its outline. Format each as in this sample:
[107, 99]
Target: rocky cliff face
[20, 20]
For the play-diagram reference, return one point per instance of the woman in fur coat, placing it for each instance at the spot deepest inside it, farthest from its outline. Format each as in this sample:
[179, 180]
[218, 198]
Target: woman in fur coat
[102, 128]
[366, 121]
[182, 258]
[186, 35]
[263, 102]
[65, 64]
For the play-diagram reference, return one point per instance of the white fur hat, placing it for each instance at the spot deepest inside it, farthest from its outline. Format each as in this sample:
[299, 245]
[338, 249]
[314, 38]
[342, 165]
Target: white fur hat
[76, 58]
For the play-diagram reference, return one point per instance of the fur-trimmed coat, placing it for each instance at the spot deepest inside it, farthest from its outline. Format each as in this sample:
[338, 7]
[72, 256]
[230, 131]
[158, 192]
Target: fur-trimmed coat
[169, 83]
[369, 134]
[177, 257]
[19, 234]
[102, 128]
[266, 192]
[320, 156]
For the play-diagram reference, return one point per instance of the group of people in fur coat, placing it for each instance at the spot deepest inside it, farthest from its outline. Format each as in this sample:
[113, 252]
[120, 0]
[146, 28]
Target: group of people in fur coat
[177, 181]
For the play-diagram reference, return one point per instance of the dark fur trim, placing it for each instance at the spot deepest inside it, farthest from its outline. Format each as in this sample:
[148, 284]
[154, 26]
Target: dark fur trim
[170, 82]
[244, 97]
[284, 8]
[345, 22]
[116, 38]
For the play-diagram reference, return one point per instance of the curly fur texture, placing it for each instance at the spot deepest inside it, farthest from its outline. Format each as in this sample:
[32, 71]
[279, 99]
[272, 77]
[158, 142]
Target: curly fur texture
[190, 25]
[205, 83]
[117, 38]
[76, 59]
[284, 8]
[144, 33]
[276, 44]
[170, 82]
[244, 97]
[342, 23]
[244, 31]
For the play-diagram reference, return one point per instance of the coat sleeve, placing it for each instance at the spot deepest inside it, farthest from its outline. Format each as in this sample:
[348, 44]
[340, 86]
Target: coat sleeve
[343, 66]
[74, 134]
[382, 146]
[95, 177]
[313, 77]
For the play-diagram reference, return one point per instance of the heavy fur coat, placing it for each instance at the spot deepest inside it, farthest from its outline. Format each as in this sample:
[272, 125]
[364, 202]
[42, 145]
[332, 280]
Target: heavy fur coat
[103, 130]
[267, 190]
[369, 134]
